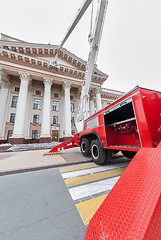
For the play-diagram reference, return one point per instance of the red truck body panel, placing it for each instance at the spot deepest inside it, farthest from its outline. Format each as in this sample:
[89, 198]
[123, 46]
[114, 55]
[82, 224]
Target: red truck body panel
[131, 122]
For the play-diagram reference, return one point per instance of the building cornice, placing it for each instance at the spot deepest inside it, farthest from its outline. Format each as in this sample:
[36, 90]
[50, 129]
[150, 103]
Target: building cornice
[112, 91]
[39, 50]
[8, 38]
[110, 94]
[36, 62]
[37, 72]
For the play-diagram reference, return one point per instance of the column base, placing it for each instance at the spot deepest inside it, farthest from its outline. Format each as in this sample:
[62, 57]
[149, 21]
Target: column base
[2, 141]
[2, 138]
[45, 140]
[13, 140]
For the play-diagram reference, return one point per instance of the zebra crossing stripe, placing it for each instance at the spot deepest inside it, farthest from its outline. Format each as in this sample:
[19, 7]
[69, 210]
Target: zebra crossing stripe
[78, 167]
[92, 170]
[90, 181]
[88, 208]
[94, 177]
[92, 188]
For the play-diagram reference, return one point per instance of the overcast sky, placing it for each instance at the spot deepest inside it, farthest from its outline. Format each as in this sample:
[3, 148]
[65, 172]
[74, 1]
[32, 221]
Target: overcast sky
[130, 50]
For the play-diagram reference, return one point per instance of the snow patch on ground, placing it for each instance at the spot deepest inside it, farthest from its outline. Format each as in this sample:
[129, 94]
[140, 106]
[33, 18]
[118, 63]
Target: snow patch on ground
[5, 145]
[33, 146]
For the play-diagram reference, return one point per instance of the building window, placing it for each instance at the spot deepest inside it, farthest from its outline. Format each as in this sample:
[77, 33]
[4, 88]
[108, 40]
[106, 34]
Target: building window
[71, 97]
[55, 119]
[56, 95]
[34, 134]
[72, 107]
[36, 118]
[37, 92]
[12, 117]
[73, 132]
[55, 106]
[72, 120]
[37, 103]
[14, 101]
[17, 89]
[9, 134]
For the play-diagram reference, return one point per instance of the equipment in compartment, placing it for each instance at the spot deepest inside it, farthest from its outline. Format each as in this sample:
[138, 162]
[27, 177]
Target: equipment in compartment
[127, 128]
[121, 127]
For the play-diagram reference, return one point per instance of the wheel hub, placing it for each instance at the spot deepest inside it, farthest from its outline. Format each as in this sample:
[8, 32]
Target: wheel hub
[95, 151]
[83, 147]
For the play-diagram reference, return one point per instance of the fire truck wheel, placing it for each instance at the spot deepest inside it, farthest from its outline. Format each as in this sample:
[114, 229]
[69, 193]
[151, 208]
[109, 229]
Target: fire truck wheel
[85, 147]
[128, 154]
[97, 152]
[108, 155]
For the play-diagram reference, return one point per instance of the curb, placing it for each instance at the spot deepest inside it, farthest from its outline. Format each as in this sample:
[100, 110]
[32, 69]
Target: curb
[15, 171]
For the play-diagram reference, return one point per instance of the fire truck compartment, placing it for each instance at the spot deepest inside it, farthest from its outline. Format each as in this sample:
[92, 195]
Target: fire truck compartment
[121, 127]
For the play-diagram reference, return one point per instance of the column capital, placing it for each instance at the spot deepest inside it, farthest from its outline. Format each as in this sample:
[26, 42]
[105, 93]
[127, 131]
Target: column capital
[98, 90]
[25, 76]
[5, 84]
[3, 74]
[67, 84]
[47, 80]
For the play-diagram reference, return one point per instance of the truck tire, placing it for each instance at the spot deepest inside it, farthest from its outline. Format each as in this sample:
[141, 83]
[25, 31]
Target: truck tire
[85, 147]
[108, 155]
[128, 154]
[97, 152]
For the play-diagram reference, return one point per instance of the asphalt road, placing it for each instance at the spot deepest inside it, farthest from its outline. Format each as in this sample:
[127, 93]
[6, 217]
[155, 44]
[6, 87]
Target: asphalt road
[38, 206]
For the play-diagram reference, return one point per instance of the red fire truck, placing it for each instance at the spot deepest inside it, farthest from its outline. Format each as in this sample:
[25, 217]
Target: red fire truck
[132, 209]
[128, 124]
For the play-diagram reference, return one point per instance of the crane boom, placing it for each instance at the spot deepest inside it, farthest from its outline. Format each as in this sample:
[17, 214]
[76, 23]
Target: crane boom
[83, 111]
[77, 18]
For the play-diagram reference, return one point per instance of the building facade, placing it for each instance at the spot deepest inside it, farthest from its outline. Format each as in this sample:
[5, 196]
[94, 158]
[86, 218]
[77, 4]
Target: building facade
[38, 103]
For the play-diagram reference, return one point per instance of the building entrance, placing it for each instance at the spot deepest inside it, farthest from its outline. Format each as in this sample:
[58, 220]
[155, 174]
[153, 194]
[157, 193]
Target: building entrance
[55, 135]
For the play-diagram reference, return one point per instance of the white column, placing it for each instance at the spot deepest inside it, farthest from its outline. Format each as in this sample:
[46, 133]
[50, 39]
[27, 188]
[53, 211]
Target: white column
[28, 113]
[18, 131]
[91, 102]
[67, 107]
[4, 98]
[104, 104]
[62, 122]
[78, 100]
[45, 125]
[98, 99]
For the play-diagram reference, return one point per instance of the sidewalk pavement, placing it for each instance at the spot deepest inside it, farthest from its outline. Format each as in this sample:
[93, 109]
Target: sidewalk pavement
[35, 160]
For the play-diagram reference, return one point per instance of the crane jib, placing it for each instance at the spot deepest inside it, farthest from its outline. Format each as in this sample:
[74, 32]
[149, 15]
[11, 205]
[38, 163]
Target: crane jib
[87, 66]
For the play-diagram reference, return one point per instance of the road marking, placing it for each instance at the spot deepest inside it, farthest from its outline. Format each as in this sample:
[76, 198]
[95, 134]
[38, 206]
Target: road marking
[92, 188]
[90, 181]
[79, 167]
[94, 177]
[88, 208]
[92, 170]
